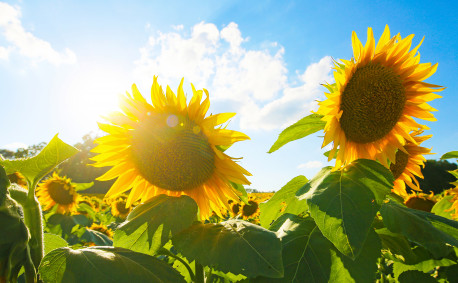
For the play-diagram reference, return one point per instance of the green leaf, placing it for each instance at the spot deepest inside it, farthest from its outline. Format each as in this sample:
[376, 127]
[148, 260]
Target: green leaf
[343, 202]
[309, 257]
[451, 154]
[96, 237]
[414, 225]
[283, 201]
[37, 167]
[302, 128]
[82, 186]
[240, 188]
[150, 225]
[104, 264]
[234, 246]
[442, 207]
[414, 276]
[396, 244]
[52, 242]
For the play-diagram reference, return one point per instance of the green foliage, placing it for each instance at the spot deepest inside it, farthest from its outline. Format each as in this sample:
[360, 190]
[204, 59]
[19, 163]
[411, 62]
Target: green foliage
[82, 186]
[343, 203]
[302, 128]
[451, 154]
[414, 276]
[437, 177]
[52, 241]
[104, 264]
[233, 246]
[35, 168]
[150, 225]
[442, 207]
[416, 226]
[283, 201]
[309, 257]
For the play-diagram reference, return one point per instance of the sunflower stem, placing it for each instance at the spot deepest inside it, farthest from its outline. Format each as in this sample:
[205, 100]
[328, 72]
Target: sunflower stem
[199, 273]
[34, 221]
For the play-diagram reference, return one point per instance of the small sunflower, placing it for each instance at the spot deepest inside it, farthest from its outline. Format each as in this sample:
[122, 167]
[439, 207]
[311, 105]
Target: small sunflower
[18, 178]
[235, 208]
[250, 209]
[170, 148]
[58, 191]
[119, 207]
[420, 201]
[408, 164]
[102, 229]
[369, 110]
[453, 192]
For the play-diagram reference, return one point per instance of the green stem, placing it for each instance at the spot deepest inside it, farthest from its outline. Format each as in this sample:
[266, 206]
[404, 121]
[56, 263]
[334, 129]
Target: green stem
[34, 221]
[199, 273]
[166, 252]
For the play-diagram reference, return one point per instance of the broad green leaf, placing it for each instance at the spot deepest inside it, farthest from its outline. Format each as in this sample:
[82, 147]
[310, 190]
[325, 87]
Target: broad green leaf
[414, 225]
[302, 128]
[283, 201]
[150, 225]
[82, 186]
[104, 264]
[4, 184]
[52, 242]
[309, 257]
[396, 243]
[415, 276]
[442, 207]
[451, 154]
[96, 237]
[240, 188]
[234, 246]
[343, 202]
[445, 225]
[37, 167]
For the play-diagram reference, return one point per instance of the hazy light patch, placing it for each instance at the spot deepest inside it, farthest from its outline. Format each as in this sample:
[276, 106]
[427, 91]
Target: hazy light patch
[14, 146]
[25, 43]
[256, 80]
[311, 164]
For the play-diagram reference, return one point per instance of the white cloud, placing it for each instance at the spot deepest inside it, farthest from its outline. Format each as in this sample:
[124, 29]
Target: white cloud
[311, 164]
[14, 146]
[256, 79]
[25, 43]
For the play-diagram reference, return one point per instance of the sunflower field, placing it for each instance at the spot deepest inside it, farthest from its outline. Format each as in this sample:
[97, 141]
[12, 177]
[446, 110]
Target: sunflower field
[178, 210]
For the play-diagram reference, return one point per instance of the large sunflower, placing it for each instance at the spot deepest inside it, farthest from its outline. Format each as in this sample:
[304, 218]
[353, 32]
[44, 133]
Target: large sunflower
[58, 191]
[408, 165]
[369, 109]
[170, 148]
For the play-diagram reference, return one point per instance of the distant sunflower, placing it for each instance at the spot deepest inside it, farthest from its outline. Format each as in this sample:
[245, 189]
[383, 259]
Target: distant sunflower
[408, 165]
[58, 191]
[170, 148]
[454, 207]
[420, 201]
[250, 209]
[18, 178]
[369, 109]
[119, 207]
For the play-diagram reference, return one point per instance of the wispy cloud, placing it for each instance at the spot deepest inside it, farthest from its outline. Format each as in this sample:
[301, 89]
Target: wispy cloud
[25, 43]
[310, 165]
[256, 79]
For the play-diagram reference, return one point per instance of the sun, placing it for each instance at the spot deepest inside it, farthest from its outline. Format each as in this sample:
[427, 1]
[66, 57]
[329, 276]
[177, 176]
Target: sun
[170, 147]
[370, 110]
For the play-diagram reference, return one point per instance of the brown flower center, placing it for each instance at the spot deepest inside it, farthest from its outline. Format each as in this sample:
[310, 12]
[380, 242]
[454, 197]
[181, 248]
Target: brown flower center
[61, 192]
[372, 103]
[121, 207]
[397, 168]
[250, 208]
[171, 152]
[420, 203]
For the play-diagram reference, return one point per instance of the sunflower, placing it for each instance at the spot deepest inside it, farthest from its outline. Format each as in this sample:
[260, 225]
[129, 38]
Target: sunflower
[408, 164]
[420, 201]
[119, 207]
[170, 148]
[18, 178]
[250, 209]
[58, 191]
[369, 110]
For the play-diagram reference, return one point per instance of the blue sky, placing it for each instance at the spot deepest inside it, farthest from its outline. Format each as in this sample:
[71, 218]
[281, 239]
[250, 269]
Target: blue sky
[63, 63]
